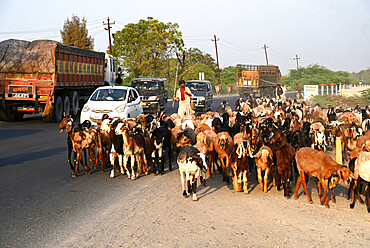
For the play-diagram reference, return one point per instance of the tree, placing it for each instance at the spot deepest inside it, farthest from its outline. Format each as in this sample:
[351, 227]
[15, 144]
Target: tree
[144, 48]
[316, 74]
[75, 33]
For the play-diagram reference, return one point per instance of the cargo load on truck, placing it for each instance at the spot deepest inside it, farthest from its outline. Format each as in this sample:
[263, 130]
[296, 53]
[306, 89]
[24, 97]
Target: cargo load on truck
[257, 80]
[45, 76]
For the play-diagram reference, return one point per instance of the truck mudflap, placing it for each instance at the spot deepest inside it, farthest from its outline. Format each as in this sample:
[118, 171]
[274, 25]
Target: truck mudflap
[48, 107]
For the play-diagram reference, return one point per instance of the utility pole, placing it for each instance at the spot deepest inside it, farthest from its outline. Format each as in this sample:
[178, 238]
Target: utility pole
[296, 58]
[265, 47]
[108, 28]
[218, 66]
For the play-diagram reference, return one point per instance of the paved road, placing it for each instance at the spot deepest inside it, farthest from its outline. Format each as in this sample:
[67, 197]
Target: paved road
[43, 206]
[39, 199]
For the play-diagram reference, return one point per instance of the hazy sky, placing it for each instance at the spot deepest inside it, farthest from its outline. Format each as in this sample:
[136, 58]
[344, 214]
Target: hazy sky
[332, 33]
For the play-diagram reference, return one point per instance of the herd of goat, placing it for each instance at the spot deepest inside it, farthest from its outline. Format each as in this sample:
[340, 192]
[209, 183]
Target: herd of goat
[290, 139]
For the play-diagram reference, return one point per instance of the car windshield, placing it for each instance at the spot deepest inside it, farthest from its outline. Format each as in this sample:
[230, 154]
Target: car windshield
[196, 86]
[109, 95]
[145, 85]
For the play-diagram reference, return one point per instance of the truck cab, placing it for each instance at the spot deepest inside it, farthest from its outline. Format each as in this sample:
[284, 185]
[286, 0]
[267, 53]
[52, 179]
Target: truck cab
[153, 93]
[110, 70]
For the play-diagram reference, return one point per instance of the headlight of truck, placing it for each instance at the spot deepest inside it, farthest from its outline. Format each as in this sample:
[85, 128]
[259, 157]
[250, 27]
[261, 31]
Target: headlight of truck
[152, 98]
[86, 109]
[202, 98]
[121, 108]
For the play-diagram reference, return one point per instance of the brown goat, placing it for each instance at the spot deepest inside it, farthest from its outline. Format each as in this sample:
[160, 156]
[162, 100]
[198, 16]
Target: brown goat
[224, 147]
[264, 162]
[209, 138]
[311, 162]
[239, 163]
[82, 140]
[104, 146]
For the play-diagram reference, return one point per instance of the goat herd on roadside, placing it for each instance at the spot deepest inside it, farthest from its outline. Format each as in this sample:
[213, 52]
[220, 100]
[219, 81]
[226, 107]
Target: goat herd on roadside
[290, 139]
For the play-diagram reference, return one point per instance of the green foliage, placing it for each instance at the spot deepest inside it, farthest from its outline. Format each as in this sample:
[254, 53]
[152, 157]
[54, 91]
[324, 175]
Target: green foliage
[342, 101]
[144, 48]
[324, 100]
[365, 94]
[228, 75]
[363, 76]
[315, 74]
[75, 33]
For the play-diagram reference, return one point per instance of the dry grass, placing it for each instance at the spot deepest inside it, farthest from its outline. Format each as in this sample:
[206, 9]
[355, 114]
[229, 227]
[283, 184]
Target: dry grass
[338, 101]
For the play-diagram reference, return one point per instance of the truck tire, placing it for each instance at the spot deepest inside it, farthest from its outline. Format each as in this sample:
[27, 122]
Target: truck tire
[67, 106]
[57, 110]
[75, 101]
[12, 115]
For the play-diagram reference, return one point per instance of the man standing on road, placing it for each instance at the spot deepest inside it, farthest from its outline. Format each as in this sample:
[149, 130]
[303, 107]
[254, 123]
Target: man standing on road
[284, 91]
[299, 94]
[278, 91]
[184, 96]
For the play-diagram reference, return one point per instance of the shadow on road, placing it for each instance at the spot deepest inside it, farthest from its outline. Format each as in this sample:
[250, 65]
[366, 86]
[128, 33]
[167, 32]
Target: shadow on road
[14, 133]
[19, 159]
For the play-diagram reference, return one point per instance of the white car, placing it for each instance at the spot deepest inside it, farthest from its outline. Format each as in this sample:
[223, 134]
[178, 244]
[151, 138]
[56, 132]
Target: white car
[115, 101]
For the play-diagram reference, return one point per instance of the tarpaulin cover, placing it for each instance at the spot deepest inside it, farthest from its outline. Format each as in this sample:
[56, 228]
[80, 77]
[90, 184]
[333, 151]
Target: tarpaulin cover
[19, 56]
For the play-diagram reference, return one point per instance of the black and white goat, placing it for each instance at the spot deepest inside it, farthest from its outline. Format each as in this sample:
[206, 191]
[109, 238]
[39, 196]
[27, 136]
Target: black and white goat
[162, 141]
[192, 165]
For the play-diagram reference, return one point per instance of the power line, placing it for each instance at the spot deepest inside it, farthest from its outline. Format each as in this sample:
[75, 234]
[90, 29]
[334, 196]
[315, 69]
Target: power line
[239, 45]
[239, 49]
[279, 54]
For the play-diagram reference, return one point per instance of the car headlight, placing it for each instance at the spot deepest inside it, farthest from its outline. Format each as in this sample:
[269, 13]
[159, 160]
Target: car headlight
[202, 98]
[151, 98]
[121, 108]
[86, 109]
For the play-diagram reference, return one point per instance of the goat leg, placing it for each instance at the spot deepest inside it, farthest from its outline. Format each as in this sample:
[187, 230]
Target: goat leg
[333, 195]
[318, 185]
[245, 181]
[169, 158]
[358, 192]
[77, 161]
[367, 194]
[303, 180]
[189, 186]
[133, 175]
[354, 185]
[350, 189]
[324, 199]
[194, 187]
[298, 183]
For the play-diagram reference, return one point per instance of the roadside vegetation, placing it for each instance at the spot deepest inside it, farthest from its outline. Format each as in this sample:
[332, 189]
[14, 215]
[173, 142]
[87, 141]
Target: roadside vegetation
[341, 101]
[151, 48]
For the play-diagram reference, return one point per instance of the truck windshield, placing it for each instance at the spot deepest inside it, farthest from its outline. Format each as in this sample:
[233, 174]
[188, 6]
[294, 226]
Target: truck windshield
[145, 85]
[196, 86]
[109, 95]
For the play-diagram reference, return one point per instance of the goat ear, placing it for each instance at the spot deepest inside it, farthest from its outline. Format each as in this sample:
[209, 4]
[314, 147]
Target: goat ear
[340, 173]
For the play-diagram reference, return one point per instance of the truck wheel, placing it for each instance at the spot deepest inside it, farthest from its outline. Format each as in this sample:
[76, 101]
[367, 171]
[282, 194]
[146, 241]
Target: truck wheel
[13, 115]
[74, 102]
[3, 116]
[58, 109]
[67, 106]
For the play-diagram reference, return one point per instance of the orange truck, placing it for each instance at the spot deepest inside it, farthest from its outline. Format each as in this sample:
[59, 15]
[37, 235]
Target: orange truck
[45, 76]
[257, 80]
